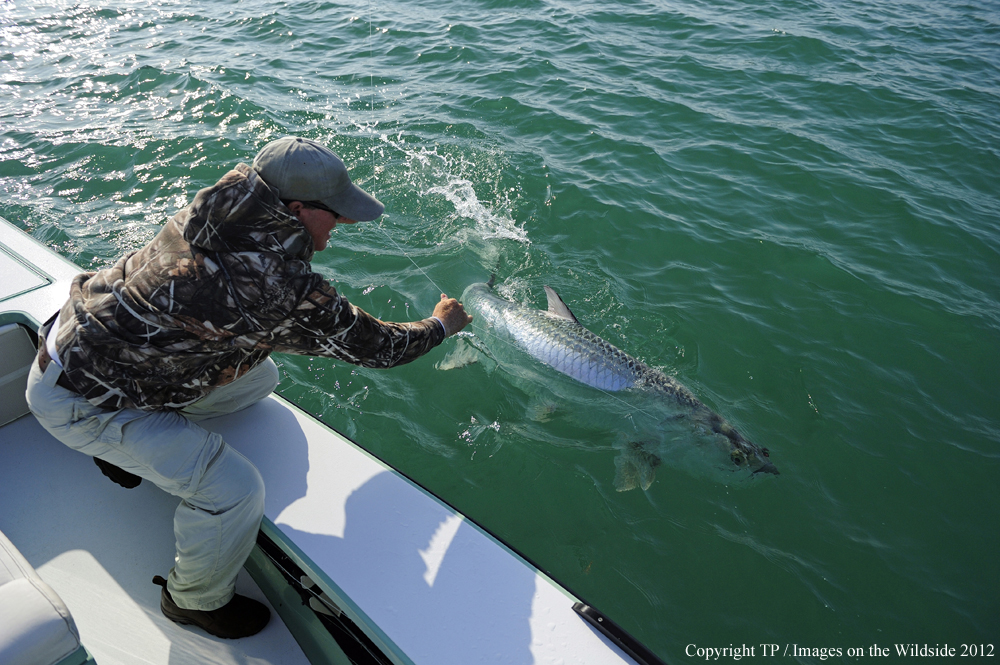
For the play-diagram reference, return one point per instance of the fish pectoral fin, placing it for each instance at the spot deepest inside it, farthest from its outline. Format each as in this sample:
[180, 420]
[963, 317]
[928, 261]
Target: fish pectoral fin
[463, 354]
[557, 306]
[540, 410]
[635, 467]
[625, 476]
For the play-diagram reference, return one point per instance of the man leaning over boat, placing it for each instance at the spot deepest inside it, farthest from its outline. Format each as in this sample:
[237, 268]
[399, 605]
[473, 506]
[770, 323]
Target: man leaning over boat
[182, 330]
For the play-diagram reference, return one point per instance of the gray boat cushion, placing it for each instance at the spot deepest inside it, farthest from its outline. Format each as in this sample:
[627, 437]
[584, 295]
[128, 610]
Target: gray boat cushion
[35, 625]
[16, 353]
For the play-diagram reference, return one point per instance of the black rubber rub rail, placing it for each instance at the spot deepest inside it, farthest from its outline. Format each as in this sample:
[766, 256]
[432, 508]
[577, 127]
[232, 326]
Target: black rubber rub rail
[617, 634]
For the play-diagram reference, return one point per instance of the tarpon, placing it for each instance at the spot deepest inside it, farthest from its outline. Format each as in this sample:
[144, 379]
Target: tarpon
[557, 339]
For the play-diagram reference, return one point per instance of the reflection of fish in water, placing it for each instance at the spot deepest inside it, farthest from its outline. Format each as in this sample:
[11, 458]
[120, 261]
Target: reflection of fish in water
[557, 339]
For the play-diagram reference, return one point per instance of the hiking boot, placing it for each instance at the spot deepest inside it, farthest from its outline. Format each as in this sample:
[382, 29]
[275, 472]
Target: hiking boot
[120, 476]
[240, 617]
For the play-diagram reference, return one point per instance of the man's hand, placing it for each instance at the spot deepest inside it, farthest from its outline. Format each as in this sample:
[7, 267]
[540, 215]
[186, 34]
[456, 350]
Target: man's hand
[452, 315]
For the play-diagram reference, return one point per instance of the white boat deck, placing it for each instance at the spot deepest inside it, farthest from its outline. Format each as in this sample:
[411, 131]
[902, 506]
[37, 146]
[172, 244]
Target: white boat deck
[436, 588]
[99, 545]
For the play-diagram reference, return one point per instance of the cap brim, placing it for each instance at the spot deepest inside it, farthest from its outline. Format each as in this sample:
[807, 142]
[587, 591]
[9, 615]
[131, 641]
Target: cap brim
[356, 204]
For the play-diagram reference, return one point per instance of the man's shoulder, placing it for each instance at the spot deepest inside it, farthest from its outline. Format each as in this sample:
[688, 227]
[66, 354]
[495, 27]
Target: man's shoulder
[242, 213]
[238, 181]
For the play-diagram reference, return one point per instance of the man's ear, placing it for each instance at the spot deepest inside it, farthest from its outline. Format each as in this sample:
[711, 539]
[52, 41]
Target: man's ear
[295, 207]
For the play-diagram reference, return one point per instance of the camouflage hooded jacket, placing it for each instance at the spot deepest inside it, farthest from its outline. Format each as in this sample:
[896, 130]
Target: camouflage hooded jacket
[225, 282]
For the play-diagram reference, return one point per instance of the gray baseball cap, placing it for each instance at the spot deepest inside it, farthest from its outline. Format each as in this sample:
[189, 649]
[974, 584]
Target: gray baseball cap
[304, 170]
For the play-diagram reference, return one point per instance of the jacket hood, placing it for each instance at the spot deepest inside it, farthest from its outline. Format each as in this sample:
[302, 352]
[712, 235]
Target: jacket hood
[241, 213]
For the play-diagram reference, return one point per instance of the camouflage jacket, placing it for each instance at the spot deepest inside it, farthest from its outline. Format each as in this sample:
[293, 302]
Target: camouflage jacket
[225, 282]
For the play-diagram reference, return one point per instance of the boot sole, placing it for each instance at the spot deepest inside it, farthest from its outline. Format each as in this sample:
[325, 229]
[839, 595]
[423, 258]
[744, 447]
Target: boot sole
[187, 621]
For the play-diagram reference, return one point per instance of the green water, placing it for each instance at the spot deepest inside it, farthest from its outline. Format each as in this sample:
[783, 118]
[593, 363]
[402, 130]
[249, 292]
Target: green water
[790, 206]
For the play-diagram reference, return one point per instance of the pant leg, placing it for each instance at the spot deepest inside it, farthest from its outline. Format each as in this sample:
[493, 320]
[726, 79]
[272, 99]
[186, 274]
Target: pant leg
[222, 493]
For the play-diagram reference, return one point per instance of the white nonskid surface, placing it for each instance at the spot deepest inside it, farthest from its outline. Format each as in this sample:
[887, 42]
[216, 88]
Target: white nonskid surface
[99, 545]
[21, 289]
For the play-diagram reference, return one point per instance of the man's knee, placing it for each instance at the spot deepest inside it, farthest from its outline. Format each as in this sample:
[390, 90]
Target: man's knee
[245, 391]
[256, 384]
[231, 481]
[270, 378]
[249, 481]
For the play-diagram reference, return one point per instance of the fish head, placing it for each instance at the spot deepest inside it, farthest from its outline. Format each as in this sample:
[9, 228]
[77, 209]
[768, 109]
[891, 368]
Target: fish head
[478, 297]
[488, 308]
[476, 291]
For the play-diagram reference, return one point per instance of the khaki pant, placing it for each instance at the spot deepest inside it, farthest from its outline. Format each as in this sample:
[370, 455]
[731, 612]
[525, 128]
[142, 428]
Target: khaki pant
[222, 493]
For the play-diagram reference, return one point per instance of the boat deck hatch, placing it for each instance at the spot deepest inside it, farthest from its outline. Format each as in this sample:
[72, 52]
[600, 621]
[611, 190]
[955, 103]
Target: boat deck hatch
[17, 276]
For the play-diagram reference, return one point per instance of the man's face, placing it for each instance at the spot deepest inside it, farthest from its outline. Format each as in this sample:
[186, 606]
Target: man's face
[319, 223]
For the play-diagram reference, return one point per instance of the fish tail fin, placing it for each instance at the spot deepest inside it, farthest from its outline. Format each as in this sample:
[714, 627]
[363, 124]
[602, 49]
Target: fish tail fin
[635, 467]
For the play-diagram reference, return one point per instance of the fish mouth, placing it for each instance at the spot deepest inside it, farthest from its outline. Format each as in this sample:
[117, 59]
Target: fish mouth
[768, 468]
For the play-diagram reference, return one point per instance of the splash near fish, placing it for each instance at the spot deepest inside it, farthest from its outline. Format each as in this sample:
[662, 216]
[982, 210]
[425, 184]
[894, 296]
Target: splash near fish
[557, 339]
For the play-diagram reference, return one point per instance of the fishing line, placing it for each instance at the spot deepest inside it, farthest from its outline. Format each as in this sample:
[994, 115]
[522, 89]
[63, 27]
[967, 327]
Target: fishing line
[371, 106]
[371, 79]
[403, 252]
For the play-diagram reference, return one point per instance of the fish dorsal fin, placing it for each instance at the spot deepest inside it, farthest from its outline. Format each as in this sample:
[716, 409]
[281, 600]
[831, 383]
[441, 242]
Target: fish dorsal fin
[557, 306]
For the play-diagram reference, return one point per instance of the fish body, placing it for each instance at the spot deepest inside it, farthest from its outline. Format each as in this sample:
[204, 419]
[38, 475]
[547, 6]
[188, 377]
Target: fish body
[555, 338]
